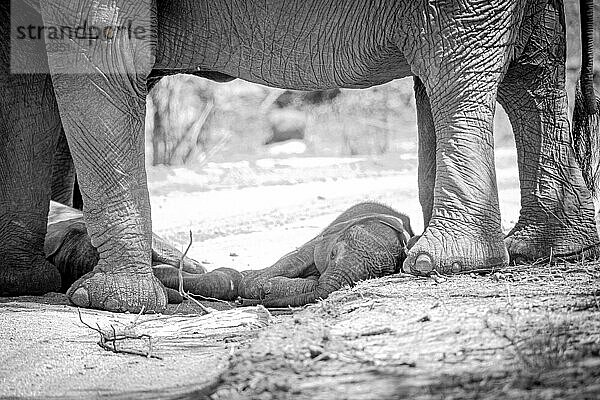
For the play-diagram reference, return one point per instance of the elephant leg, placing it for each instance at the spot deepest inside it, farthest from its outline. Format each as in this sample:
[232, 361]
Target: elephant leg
[464, 232]
[100, 86]
[426, 170]
[298, 264]
[557, 212]
[29, 127]
[63, 173]
[65, 189]
[221, 283]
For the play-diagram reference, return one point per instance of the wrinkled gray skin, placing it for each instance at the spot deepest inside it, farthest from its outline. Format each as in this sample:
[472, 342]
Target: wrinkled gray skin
[366, 241]
[67, 246]
[466, 55]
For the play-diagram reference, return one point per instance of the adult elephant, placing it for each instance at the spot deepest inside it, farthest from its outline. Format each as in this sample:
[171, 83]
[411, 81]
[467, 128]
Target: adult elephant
[466, 54]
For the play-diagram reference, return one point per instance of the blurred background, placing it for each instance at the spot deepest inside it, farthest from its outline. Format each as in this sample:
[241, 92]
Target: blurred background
[205, 136]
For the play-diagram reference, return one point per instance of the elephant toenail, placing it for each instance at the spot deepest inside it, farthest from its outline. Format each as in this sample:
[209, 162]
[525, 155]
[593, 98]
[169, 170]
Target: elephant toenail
[456, 268]
[112, 304]
[267, 287]
[80, 297]
[424, 264]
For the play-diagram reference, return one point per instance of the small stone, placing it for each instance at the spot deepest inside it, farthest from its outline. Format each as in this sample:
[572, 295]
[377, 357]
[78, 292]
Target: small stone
[424, 318]
[315, 350]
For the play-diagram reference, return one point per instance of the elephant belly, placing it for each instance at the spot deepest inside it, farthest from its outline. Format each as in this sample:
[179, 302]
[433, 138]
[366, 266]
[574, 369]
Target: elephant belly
[288, 44]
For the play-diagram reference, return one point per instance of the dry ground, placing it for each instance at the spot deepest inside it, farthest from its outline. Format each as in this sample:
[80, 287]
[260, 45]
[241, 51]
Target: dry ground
[531, 332]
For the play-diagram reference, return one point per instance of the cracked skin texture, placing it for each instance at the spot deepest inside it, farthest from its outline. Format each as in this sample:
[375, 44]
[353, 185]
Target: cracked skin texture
[366, 241]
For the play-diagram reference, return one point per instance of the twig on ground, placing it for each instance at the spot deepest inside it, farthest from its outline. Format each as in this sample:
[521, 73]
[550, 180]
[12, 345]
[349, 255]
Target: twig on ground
[212, 299]
[108, 340]
[437, 277]
[137, 317]
[182, 292]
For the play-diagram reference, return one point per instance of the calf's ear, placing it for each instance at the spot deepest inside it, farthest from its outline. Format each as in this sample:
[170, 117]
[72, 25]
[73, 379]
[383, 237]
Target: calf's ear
[396, 224]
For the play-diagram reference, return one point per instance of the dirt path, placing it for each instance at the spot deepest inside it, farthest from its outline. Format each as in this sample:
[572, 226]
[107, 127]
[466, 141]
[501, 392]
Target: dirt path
[46, 352]
[396, 335]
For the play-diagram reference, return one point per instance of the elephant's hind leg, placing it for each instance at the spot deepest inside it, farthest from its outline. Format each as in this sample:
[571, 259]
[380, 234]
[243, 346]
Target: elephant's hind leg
[29, 127]
[557, 212]
[63, 173]
[427, 140]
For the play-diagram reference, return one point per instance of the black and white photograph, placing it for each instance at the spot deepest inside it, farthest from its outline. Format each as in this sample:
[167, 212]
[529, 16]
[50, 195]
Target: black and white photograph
[299, 199]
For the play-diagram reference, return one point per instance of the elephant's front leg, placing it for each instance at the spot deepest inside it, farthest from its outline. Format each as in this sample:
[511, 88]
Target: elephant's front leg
[557, 212]
[100, 85]
[290, 275]
[464, 232]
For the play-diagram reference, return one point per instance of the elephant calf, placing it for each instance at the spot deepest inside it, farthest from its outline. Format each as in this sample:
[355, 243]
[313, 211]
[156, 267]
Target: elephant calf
[366, 241]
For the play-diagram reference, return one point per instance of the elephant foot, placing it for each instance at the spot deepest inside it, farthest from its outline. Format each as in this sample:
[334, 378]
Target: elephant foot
[567, 240]
[41, 277]
[118, 292]
[449, 247]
